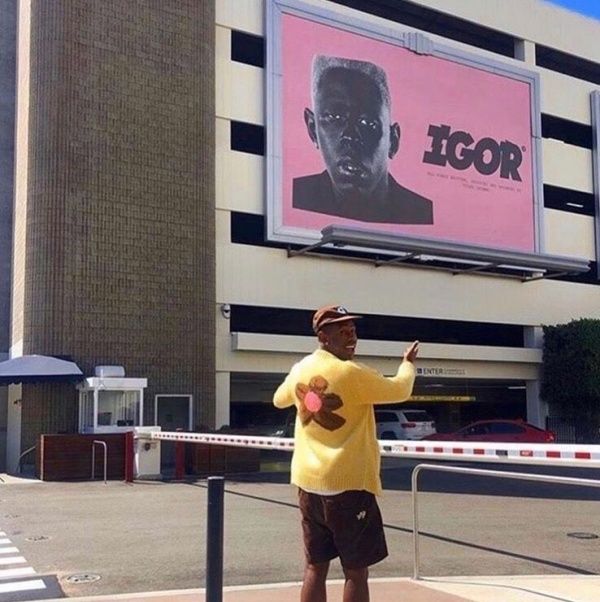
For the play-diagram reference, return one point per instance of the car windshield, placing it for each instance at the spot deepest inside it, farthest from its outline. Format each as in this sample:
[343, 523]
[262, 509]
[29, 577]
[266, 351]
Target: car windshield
[386, 417]
[505, 428]
[417, 416]
[475, 429]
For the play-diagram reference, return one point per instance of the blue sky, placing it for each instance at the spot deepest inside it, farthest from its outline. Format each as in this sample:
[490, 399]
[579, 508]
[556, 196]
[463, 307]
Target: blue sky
[591, 8]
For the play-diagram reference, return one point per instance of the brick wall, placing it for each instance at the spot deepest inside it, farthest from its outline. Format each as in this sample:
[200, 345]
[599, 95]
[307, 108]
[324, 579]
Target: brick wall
[7, 131]
[47, 408]
[119, 260]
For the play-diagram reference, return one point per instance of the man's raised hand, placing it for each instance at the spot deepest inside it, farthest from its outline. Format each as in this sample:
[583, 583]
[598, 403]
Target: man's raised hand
[410, 355]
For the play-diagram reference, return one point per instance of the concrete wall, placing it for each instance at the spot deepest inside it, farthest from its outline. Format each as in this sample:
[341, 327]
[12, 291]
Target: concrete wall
[7, 131]
[268, 277]
[8, 40]
[384, 290]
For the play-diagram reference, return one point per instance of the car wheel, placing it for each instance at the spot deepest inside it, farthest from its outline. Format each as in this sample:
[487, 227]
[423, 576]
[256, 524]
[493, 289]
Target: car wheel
[388, 435]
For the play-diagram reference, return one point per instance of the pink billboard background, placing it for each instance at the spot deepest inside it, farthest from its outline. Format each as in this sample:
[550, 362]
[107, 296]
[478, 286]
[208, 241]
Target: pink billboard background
[468, 208]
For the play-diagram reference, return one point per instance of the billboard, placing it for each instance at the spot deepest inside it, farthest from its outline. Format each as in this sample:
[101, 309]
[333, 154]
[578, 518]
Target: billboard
[389, 131]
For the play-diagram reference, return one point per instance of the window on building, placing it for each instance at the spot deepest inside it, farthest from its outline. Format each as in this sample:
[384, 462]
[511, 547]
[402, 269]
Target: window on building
[247, 48]
[433, 21]
[565, 199]
[571, 132]
[247, 137]
[277, 320]
[569, 64]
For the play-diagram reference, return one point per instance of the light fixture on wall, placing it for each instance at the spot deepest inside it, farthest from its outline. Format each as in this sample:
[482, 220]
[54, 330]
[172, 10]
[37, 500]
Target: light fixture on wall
[226, 311]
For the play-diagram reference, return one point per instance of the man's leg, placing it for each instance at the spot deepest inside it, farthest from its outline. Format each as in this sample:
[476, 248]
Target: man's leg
[313, 587]
[356, 588]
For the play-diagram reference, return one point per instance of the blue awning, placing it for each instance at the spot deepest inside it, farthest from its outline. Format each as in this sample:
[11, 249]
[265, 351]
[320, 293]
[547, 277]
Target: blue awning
[38, 369]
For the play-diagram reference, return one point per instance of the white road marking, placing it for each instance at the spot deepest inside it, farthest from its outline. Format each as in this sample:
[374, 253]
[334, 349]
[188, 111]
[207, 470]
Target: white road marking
[11, 573]
[22, 586]
[20, 572]
[12, 560]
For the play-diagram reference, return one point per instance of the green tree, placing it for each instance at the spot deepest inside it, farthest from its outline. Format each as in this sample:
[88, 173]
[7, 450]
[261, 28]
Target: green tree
[571, 373]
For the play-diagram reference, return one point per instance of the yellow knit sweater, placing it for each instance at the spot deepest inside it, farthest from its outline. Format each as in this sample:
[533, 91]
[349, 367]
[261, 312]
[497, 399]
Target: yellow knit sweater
[335, 445]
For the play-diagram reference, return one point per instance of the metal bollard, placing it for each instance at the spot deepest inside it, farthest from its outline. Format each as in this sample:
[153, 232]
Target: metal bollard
[129, 456]
[214, 540]
[179, 458]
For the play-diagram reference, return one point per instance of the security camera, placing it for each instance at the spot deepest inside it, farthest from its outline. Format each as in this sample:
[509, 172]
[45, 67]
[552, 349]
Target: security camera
[226, 311]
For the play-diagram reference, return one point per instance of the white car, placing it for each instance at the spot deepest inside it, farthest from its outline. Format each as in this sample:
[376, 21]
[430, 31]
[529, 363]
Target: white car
[403, 424]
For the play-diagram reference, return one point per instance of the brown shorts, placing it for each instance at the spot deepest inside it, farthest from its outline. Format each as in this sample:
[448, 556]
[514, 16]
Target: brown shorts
[347, 525]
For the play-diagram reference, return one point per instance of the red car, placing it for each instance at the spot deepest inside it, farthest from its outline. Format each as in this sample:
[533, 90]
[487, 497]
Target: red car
[502, 431]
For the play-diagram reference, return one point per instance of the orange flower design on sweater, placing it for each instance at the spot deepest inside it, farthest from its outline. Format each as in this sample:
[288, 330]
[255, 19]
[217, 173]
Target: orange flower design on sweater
[318, 405]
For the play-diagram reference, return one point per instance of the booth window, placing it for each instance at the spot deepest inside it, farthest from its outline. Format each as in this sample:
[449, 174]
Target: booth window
[111, 405]
[118, 408]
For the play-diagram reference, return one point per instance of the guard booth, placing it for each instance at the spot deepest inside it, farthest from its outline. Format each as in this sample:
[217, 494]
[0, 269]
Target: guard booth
[109, 402]
[110, 405]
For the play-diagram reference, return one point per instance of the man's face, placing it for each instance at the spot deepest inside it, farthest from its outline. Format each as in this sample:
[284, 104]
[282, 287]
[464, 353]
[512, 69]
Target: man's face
[339, 338]
[351, 126]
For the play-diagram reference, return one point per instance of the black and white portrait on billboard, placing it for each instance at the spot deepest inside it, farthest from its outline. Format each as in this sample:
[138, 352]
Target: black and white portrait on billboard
[350, 124]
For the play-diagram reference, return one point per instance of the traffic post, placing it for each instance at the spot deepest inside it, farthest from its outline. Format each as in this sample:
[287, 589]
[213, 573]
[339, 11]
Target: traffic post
[214, 540]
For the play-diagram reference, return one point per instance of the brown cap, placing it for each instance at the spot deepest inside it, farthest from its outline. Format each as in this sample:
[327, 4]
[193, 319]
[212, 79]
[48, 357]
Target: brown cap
[330, 314]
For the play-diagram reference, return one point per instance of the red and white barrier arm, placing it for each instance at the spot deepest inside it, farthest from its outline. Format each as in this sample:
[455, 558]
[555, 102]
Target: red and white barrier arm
[551, 454]
[257, 442]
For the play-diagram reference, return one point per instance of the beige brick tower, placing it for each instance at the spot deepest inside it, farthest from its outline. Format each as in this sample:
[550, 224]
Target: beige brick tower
[113, 259]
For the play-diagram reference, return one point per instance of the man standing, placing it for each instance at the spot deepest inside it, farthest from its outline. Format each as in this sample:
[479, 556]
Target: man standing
[336, 460]
[352, 128]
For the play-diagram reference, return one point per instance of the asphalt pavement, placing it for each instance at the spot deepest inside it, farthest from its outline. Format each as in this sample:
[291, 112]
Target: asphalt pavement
[91, 539]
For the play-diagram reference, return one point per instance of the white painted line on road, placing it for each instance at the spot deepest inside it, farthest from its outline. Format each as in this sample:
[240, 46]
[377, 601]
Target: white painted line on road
[21, 586]
[5, 541]
[12, 560]
[2, 534]
[20, 572]
[9, 550]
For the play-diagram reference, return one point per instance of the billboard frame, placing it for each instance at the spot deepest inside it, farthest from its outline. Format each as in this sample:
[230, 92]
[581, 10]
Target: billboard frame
[402, 37]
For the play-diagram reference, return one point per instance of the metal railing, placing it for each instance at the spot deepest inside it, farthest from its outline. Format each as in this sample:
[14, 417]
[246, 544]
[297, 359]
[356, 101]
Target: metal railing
[94, 443]
[27, 451]
[522, 476]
